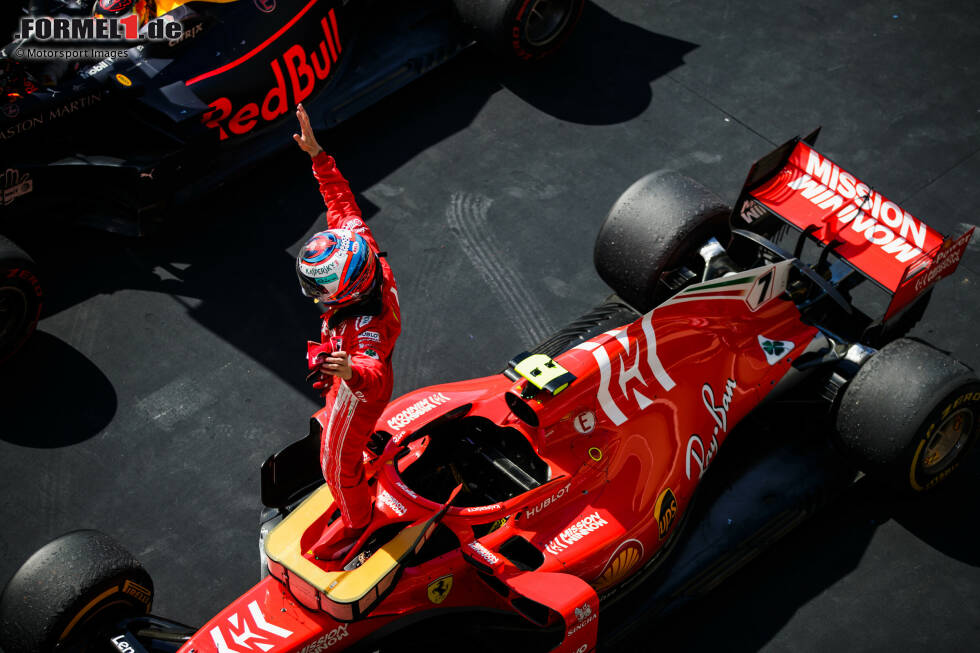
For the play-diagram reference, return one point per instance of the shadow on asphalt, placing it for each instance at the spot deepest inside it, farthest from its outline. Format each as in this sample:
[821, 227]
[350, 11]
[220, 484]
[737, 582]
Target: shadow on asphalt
[52, 396]
[604, 73]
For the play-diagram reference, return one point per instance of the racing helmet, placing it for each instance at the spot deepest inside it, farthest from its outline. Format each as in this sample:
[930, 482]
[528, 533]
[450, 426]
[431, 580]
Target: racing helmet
[122, 8]
[336, 267]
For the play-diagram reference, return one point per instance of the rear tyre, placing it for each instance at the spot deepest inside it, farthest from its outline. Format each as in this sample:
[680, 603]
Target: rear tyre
[521, 29]
[20, 298]
[657, 225]
[909, 416]
[70, 587]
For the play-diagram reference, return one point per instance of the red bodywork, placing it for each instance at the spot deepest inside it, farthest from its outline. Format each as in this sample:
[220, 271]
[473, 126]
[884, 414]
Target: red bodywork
[889, 245]
[626, 444]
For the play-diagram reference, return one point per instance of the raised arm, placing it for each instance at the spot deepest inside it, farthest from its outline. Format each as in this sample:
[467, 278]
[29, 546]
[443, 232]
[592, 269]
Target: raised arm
[342, 209]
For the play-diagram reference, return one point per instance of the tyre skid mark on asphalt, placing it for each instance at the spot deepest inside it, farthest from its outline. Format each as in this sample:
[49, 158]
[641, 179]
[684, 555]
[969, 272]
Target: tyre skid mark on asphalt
[416, 361]
[467, 218]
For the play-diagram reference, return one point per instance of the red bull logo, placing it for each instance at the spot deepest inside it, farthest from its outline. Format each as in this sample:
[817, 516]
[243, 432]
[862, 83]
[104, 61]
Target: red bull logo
[295, 74]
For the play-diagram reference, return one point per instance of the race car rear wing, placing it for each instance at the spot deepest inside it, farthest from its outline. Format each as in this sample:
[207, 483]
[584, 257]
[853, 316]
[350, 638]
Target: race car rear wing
[875, 236]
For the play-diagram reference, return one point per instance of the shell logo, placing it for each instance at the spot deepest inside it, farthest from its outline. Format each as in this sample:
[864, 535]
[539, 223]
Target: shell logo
[623, 561]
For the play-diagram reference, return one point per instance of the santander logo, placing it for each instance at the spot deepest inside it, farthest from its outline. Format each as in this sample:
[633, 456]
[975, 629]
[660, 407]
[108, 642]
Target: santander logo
[294, 76]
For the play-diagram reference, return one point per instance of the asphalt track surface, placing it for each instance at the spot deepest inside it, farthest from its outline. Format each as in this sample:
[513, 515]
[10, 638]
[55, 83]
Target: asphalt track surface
[166, 369]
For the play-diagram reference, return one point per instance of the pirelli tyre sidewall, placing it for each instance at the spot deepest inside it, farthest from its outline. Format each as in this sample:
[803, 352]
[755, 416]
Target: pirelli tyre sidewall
[909, 416]
[21, 298]
[524, 30]
[73, 585]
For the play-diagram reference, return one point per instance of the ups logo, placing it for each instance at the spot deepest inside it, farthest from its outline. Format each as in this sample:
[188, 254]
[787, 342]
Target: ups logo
[665, 511]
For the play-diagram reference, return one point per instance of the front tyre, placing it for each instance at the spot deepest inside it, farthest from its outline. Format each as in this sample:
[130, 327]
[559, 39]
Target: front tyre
[521, 29]
[20, 298]
[71, 587]
[909, 416]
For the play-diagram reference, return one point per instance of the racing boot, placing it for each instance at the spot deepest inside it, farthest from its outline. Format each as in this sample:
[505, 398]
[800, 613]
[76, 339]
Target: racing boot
[356, 506]
[336, 541]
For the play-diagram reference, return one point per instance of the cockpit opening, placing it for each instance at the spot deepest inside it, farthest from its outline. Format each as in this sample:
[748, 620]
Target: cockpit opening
[493, 463]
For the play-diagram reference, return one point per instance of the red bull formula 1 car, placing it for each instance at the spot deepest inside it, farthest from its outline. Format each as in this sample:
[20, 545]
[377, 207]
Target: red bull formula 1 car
[117, 142]
[628, 454]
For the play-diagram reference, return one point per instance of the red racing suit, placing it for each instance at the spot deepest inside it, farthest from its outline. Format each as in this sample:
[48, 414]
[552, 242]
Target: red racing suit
[369, 330]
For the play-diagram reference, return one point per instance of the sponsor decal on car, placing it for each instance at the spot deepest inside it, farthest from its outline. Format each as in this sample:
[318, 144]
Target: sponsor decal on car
[15, 184]
[416, 410]
[584, 422]
[122, 644]
[305, 71]
[623, 560]
[864, 210]
[665, 511]
[138, 592]
[696, 450]
[719, 413]
[869, 231]
[483, 552]
[585, 616]
[188, 34]
[404, 488]
[248, 632]
[99, 67]
[51, 115]
[774, 350]
[575, 532]
[628, 366]
[530, 512]
[326, 641]
[385, 499]
[752, 211]
[481, 509]
[439, 589]
[946, 261]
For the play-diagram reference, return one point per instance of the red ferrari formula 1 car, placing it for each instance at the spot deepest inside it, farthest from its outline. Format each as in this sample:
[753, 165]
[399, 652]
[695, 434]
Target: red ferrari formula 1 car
[529, 502]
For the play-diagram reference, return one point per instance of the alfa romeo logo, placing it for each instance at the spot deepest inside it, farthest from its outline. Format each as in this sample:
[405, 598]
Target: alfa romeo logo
[773, 348]
[266, 6]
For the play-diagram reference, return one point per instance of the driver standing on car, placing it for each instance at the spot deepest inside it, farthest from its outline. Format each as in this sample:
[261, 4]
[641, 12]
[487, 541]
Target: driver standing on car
[342, 269]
